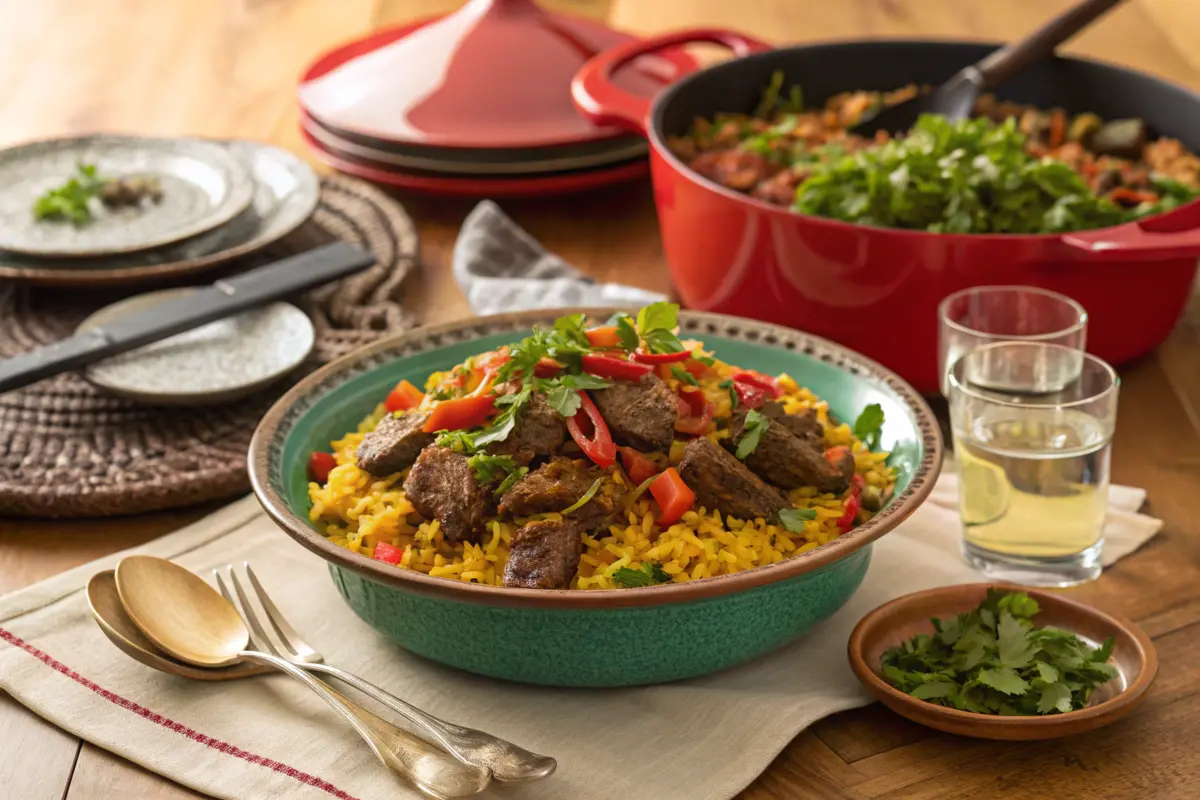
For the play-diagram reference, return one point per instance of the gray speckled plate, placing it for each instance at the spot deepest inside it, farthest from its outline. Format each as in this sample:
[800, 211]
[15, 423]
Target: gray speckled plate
[203, 187]
[215, 363]
[286, 192]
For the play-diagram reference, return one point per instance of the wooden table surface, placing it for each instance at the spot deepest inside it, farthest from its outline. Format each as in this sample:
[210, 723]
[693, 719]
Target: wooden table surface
[227, 68]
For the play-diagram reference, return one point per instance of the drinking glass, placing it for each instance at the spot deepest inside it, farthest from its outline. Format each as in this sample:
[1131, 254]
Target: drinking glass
[986, 314]
[1033, 465]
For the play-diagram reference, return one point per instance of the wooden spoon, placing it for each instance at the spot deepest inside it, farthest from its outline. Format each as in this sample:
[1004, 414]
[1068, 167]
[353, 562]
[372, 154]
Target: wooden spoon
[182, 615]
[955, 99]
[110, 615]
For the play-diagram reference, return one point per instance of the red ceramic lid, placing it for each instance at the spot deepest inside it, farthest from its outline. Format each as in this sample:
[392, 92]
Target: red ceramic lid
[495, 73]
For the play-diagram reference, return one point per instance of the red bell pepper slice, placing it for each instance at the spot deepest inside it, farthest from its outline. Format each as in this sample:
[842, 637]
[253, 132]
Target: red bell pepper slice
[387, 553]
[660, 358]
[598, 445]
[546, 367]
[603, 338]
[490, 362]
[603, 366]
[637, 466]
[403, 397]
[673, 496]
[460, 413]
[764, 382]
[695, 413]
[853, 504]
[319, 465]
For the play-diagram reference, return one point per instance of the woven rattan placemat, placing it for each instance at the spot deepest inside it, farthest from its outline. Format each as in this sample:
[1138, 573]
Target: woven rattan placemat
[68, 450]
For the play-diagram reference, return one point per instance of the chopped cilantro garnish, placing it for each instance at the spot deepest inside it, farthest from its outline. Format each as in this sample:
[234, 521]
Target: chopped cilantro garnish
[994, 660]
[511, 480]
[489, 468]
[794, 518]
[626, 332]
[648, 574]
[869, 426]
[752, 431]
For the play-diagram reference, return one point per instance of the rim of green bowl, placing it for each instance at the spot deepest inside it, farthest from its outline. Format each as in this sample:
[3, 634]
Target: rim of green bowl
[272, 432]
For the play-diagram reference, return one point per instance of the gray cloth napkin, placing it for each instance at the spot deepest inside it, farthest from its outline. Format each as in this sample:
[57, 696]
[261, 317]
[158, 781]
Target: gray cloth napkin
[501, 268]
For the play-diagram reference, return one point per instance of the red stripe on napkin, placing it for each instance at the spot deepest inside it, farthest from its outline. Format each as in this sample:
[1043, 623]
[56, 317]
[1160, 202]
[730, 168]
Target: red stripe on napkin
[177, 727]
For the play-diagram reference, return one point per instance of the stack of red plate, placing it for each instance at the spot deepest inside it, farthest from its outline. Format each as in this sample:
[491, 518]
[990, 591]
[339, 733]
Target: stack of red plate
[475, 103]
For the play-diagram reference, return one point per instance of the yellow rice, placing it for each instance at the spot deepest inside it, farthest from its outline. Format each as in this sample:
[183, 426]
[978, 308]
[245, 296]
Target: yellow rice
[359, 510]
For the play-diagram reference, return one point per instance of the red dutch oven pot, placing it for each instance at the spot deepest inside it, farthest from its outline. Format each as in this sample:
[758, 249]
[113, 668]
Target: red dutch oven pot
[877, 290]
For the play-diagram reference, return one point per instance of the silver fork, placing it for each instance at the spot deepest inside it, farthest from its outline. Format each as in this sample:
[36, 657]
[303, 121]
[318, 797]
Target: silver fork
[507, 761]
[430, 770]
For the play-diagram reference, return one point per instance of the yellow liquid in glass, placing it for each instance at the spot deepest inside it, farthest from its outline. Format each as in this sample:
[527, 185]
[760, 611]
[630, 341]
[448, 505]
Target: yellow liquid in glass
[1034, 486]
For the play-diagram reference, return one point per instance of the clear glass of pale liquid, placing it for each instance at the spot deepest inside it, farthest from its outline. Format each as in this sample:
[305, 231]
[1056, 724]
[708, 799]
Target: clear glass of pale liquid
[1033, 426]
[987, 314]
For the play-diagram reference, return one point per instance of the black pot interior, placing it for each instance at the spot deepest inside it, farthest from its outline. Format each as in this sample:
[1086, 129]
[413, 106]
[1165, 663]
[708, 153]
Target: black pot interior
[826, 69]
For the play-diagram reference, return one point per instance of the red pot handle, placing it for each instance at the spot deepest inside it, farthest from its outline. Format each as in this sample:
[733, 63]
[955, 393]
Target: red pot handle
[604, 103]
[1175, 234]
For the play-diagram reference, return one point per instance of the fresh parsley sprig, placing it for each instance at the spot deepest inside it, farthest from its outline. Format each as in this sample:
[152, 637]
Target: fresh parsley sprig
[650, 573]
[70, 201]
[794, 518]
[869, 426]
[994, 660]
[752, 431]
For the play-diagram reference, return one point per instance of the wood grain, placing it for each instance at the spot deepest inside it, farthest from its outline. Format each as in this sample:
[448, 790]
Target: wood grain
[227, 68]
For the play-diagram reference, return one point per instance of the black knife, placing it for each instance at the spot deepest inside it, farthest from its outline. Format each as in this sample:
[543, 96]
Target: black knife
[224, 298]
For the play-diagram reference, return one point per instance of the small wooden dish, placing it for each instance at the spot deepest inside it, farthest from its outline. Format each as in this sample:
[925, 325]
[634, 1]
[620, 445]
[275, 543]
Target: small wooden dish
[1134, 657]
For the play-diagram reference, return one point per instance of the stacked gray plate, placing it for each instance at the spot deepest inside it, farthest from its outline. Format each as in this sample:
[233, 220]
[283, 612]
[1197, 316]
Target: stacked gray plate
[109, 209]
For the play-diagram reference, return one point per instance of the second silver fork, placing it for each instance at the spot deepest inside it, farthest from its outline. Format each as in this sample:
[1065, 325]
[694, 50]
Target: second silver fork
[507, 762]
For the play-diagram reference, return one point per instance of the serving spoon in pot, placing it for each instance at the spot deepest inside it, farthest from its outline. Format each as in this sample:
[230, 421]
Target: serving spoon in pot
[955, 99]
[185, 618]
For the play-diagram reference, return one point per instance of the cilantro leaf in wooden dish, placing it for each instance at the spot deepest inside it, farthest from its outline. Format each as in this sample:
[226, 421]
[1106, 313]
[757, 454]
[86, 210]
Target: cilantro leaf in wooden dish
[1002, 662]
[995, 660]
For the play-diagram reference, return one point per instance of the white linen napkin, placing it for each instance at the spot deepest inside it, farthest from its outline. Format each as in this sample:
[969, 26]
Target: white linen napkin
[701, 739]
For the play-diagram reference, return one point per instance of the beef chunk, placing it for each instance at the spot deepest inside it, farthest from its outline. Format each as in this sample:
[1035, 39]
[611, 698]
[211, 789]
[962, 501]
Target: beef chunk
[788, 461]
[722, 482]
[544, 555]
[640, 414]
[394, 444]
[539, 431]
[557, 485]
[804, 426]
[442, 486]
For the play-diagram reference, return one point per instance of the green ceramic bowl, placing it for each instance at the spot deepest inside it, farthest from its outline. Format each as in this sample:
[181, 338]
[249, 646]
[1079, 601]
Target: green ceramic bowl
[592, 638]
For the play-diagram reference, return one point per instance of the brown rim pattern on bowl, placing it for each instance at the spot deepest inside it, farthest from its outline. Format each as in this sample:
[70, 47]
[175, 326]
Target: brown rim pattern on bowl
[266, 451]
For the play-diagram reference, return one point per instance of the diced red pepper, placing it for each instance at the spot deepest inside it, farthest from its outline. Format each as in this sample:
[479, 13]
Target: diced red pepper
[387, 553]
[403, 397]
[673, 496]
[834, 455]
[319, 465]
[603, 338]
[603, 366]
[546, 368]
[853, 504]
[695, 368]
[660, 358]
[764, 382]
[695, 412]
[749, 395]
[460, 413]
[597, 444]
[637, 466]
[489, 362]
